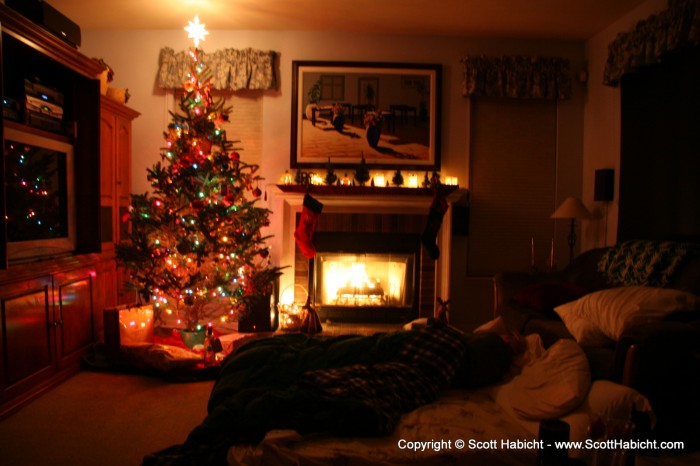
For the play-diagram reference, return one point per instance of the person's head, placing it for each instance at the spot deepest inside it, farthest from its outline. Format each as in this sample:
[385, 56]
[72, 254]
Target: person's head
[515, 342]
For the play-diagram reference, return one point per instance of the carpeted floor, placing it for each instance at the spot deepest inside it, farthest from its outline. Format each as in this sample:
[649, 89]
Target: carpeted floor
[102, 419]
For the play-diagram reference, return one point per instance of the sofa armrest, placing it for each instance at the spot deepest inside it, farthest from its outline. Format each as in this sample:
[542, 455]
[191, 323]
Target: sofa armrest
[662, 362]
[508, 284]
[645, 351]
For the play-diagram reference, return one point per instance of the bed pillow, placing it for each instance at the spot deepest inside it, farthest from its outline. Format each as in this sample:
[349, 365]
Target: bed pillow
[609, 401]
[611, 310]
[416, 324]
[544, 297]
[551, 385]
[496, 325]
[579, 324]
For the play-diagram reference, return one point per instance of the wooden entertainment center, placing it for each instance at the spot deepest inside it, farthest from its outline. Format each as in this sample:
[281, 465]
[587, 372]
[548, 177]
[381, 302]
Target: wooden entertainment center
[51, 307]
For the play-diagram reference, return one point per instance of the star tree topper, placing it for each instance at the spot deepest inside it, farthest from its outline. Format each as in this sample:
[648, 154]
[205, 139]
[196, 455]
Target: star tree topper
[196, 31]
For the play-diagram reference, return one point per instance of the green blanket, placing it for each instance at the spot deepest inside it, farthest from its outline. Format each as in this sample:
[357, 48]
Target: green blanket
[345, 386]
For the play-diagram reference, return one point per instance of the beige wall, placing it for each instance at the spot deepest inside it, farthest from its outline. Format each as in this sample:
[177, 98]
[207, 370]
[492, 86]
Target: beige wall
[601, 127]
[134, 57]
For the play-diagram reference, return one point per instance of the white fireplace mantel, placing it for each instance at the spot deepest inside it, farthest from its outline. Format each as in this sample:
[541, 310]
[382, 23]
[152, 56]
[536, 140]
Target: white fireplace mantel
[285, 204]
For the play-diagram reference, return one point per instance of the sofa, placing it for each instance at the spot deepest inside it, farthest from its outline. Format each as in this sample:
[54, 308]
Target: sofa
[634, 308]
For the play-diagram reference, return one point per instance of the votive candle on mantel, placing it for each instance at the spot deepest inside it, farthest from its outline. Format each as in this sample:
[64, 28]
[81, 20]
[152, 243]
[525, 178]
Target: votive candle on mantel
[412, 180]
[451, 181]
[286, 178]
[379, 180]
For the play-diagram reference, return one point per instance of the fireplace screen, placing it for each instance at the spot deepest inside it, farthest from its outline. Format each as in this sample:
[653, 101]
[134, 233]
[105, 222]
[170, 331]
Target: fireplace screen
[364, 280]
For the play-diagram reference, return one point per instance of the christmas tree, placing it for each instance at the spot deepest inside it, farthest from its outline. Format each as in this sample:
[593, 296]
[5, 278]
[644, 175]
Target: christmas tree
[195, 246]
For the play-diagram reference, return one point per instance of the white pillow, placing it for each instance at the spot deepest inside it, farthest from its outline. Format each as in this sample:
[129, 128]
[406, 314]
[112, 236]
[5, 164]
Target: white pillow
[612, 309]
[494, 326]
[579, 324]
[551, 385]
[609, 401]
[415, 324]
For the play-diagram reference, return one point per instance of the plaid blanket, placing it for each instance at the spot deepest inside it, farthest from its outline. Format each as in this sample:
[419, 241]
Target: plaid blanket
[346, 386]
[423, 368]
[644, 263]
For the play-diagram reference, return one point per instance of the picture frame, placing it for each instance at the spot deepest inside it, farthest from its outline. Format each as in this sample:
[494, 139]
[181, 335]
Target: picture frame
[387, 113]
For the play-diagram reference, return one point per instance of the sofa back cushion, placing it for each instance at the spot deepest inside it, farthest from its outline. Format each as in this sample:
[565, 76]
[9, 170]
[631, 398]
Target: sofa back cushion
[583, 270]
[687, 278]
[544, 297]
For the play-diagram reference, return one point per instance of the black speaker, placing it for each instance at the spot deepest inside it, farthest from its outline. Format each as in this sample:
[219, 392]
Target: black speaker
[40, 12]
[604, 189]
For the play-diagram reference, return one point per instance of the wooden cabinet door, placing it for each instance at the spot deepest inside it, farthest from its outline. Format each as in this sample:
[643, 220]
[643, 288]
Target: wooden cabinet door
[73, 312]
[115, 179]
[123, 171]
[27, 337]
[108, 176]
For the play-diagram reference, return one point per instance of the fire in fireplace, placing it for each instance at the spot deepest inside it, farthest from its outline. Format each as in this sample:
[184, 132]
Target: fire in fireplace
[368, 277]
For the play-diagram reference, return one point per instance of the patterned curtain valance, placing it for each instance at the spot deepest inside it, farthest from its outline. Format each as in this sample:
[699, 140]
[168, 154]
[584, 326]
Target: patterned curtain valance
[231, 69]
[517, 77]
[672, 29]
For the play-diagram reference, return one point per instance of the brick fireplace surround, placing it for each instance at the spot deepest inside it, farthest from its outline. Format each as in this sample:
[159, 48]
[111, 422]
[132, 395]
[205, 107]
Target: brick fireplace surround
[362, 210]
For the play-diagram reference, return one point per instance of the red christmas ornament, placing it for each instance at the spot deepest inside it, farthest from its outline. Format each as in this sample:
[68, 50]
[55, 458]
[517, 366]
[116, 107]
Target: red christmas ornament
[197, 204]
[235, 156]
[229, 199]
[257, 192]
[185, 160]
[204, 145]
[264, 253]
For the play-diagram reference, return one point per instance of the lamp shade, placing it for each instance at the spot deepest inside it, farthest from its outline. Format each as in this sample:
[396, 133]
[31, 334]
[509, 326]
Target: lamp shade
[572, 207]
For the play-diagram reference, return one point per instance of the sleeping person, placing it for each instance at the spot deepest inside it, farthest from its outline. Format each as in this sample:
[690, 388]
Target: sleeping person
[347, 386]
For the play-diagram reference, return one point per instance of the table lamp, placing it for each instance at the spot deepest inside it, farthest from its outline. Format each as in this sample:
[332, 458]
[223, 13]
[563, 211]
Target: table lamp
[572, 208]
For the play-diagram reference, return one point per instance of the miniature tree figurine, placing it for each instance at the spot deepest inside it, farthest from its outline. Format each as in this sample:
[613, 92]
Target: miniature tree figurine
[331, 177]
[362, 172]
[397, 179]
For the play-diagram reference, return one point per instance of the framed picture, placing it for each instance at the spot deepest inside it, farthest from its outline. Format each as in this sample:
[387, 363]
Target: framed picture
[388, 113]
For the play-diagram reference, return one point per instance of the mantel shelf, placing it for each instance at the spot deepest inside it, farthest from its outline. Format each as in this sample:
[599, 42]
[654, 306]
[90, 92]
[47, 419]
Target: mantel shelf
[363, 190]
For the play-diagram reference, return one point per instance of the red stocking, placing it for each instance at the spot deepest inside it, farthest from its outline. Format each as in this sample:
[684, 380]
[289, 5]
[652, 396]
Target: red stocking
[432, 227]
[307, 224]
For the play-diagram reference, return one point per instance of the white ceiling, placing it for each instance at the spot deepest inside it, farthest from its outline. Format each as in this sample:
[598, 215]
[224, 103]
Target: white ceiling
[537, 19]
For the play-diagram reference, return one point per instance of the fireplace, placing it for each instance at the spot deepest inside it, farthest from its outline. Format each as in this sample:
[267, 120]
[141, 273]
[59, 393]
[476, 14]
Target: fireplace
[388, 213]
[365, 277]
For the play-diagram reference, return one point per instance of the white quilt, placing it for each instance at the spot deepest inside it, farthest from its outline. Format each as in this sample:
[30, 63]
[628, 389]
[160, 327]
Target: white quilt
[427, 436]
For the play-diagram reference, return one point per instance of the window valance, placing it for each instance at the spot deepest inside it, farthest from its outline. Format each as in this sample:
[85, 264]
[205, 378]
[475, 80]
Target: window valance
[671, 29]
[231, 69]
[517, 77]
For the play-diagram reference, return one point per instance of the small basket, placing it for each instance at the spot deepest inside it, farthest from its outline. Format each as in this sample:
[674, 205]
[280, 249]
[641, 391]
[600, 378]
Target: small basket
[292, 315]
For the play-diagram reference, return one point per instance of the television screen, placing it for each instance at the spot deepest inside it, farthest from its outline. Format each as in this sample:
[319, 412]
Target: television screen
[39, 196]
